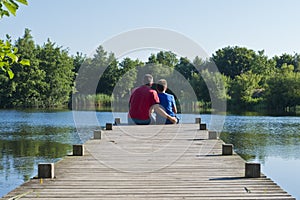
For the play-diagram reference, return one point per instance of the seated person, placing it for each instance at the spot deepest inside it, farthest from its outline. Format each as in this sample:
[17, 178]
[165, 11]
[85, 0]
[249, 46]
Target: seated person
[142, 101]
[167, 102]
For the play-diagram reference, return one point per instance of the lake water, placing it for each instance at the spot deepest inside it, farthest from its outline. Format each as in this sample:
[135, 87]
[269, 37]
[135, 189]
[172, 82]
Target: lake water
[31, 137]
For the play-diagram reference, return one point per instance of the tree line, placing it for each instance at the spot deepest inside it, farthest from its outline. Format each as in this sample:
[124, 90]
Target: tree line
[249, 80]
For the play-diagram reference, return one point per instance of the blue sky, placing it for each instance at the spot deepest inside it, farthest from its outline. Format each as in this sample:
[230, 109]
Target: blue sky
[272, 25]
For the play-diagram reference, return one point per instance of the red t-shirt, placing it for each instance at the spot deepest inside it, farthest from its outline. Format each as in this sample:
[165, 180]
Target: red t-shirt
[141, 101]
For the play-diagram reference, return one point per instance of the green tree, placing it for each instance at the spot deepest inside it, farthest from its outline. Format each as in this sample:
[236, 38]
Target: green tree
[110, 76]
[283, 59]
[9, 56]
[297, 62]
[8, 53]
[78, 60]
[152, 59]
[200, 87]
[6, 90]
[97, 74]
[199, 63]
[128, 71]
[210, 86]
[29, 81]
[59, 70]
[85, 78]
[160, 66]
[196, 80]
[166, 58]
[283, 90]
[233, 61]
[245, 90]
[186, 68]
[263, 65]
[24, 89]
[47, 83]
[216, 84]
[11, 7]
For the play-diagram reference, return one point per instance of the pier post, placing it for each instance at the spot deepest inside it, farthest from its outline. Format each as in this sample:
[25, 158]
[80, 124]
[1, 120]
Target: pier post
[46, 170]
[108, 126]
[78, 150]
[97, 134]
[202, 126]
[227, 149]
[252, 170]
[117, 121]
[212, 135]
[197, 120]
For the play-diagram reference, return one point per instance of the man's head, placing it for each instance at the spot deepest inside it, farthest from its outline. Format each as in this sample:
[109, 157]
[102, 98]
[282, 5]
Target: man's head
[148, 79]
[162, 85]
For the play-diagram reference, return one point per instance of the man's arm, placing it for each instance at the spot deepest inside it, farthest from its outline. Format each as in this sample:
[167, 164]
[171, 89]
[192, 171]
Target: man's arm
[162, 113]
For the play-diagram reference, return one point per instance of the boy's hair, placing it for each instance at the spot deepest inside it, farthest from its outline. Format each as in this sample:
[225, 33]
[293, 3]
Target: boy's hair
[161, 85]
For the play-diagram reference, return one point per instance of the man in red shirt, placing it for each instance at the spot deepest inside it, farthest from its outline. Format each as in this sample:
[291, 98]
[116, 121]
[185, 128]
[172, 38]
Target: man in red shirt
[142, 101]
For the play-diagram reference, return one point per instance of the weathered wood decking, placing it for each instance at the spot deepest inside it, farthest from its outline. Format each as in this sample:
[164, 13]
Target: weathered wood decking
[151, 162]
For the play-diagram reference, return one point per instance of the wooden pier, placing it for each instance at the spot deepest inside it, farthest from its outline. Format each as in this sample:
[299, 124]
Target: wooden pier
[151, 162]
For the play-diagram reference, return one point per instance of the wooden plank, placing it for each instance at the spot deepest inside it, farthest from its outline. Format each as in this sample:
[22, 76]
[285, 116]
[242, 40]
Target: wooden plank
[151, 162]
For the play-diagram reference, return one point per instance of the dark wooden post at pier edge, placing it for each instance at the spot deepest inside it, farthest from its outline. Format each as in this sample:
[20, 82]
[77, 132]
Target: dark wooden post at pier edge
[252, 170]
[97, 134]
[78, 150]
[227, 149]
[109, 126]
[212, 135]
[117, 121]
[202, 126]
[198, 120]
[46, 170]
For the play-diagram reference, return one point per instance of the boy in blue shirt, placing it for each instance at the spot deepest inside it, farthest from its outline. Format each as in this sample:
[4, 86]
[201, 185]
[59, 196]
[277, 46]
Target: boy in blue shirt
[167, 102]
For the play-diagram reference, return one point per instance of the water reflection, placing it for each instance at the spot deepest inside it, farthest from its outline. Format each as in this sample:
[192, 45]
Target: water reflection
[257, 137]
[19, 159]
[23, 155]
[27, 139]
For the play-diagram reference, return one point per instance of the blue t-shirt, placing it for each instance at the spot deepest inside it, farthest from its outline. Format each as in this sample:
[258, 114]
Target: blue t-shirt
[167, 101]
